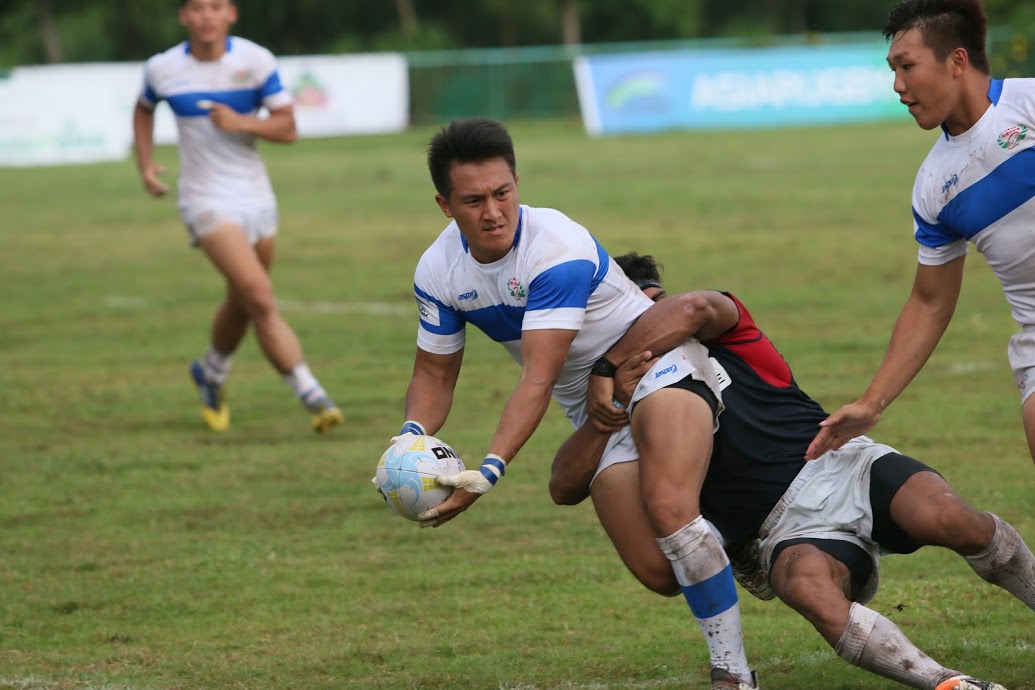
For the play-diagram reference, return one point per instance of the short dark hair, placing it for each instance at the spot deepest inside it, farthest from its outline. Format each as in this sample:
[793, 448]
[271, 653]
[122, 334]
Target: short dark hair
[643, 270]
[945, 25]
[471, 140]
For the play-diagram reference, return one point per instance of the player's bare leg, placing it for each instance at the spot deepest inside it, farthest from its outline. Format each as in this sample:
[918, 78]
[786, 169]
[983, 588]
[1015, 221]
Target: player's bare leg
[673, 433]
[930, 512]
[250, 291]
[619, 505]
[1028, 415]
[816, 585]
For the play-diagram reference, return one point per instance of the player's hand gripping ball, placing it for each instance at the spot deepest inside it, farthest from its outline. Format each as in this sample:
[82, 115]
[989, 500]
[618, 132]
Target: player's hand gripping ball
[406, 474]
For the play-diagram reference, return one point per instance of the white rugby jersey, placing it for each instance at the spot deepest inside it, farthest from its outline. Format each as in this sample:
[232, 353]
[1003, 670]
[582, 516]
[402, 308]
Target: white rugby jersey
[555, 276]
[980, 186]
[217, 167]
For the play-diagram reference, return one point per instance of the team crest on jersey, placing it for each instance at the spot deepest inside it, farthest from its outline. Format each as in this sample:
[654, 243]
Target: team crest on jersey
[242, 76]
[517, 290]
[1012, 136]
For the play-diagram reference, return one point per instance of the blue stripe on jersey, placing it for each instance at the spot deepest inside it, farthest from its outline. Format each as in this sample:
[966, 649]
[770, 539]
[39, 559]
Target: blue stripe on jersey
[450, 321]
[975, 208]
[271, 86]
[995, 90]
[564, 285]
[242, 100]
[713, 596]
[500, 322]
[603, 264]
[149, 94]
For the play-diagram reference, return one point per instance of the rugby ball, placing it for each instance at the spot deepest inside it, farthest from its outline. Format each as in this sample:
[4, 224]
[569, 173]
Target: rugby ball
[406, 474]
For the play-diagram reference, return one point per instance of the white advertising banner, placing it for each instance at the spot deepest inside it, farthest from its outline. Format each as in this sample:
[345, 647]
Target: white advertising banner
[60, 114]
[67, 114]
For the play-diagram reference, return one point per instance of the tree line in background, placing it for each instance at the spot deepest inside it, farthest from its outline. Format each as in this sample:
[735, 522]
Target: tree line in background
[53, 31]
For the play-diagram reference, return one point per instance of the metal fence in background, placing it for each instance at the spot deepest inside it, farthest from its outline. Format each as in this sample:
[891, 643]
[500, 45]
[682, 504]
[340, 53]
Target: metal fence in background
[538, 82]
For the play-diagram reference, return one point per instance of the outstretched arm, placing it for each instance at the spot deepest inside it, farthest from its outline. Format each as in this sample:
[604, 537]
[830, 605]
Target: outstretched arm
[703, 314]
[578, 457]
[430, 393]
[543, 353]
[920, 326]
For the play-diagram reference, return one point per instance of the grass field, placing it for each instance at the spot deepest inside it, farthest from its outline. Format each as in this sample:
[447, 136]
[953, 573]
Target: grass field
[139, 551]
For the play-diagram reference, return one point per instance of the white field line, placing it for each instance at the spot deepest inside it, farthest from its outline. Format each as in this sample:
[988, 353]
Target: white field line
[130, 302]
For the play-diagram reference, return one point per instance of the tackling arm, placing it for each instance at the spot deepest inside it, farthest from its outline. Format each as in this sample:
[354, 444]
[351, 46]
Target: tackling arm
[919, 328]
[703, 314]
[577, 459]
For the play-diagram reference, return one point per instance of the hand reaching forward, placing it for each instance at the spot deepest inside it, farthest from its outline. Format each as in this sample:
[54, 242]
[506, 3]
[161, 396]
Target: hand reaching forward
[852, 420]
[468, 486]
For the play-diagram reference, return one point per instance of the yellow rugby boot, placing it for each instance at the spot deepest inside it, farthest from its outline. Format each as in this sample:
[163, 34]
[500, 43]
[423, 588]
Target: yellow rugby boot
[214, 410]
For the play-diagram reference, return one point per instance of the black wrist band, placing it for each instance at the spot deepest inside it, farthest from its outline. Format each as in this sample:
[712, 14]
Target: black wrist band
[603, 367]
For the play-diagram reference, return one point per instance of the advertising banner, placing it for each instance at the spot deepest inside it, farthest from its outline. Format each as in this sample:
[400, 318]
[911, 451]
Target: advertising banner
[758, 87]
[61, 114]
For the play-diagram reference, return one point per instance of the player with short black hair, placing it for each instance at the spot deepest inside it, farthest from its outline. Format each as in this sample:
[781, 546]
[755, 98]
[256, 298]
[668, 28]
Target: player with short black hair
[215, 85]
[540, 285]
[977, 185]
[811, 533]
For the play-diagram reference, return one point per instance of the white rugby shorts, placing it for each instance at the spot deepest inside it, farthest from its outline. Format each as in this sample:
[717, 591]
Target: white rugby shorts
[1021, 352]
[830, 499]
[689, 359]
[257, 223]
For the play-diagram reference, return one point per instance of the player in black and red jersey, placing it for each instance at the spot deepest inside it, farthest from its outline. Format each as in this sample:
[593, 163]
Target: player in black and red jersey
[810, 533]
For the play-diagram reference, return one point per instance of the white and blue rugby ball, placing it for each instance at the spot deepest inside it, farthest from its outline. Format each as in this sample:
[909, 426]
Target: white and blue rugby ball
[406, 474]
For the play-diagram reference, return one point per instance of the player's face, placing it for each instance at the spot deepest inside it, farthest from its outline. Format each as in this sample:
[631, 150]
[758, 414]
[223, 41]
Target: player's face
[208, 21]
[930, 87]
[484, 203]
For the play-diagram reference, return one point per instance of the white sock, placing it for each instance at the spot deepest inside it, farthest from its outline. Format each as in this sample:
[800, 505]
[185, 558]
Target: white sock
[1007, 562]
[875, 644]
[216, 365]
[305, 385]
[704, 574]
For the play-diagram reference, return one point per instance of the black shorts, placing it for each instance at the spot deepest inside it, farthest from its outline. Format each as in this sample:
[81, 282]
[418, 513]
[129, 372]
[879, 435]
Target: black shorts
[689, 383]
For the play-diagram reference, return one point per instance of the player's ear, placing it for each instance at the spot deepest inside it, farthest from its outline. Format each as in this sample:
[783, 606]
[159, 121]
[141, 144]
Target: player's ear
[443, 204]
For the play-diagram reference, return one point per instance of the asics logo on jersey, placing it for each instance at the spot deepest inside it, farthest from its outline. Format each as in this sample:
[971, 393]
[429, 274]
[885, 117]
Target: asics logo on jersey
[423, 311]
[667, 370]
[950, 182]
[1012, 136]
[473, 294]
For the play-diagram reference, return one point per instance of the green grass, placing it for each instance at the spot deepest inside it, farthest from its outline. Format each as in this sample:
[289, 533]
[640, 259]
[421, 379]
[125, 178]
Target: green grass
[139, 551]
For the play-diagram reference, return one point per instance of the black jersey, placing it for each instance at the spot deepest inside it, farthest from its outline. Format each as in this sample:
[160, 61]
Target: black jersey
[763, 433]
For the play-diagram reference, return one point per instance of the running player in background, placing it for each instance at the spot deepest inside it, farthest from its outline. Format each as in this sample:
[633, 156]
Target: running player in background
[811, 533]
[215, 84]
[977, 184]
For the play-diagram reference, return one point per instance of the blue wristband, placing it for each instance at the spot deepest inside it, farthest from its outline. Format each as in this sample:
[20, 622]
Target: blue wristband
[412, 427]
[493, 468]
